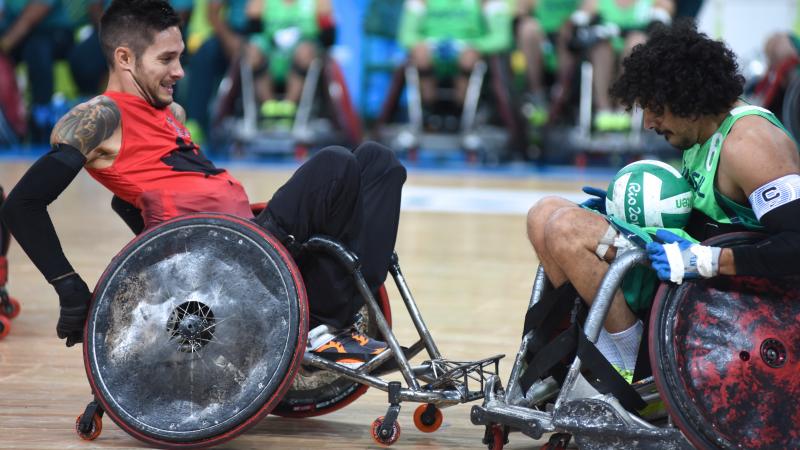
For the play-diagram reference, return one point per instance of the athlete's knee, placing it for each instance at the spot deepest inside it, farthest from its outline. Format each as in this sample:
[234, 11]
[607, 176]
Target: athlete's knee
[336, 159]
[529, 30]
[568, 229]
[541, 211]
[538, 216]
[381, 157]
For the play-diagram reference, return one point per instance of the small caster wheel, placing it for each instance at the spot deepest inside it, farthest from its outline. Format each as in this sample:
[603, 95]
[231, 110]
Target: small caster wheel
[428, 418]
[93, 431]
[5, 326]
[11, 309]
[558, 441]
[392, 437]
[497, 439]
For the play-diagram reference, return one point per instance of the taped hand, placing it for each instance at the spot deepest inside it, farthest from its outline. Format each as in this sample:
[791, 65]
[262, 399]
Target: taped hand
[676, 258]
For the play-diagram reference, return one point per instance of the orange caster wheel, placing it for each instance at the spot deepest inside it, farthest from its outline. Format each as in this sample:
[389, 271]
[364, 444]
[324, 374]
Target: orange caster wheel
[10, 309]
[391, 437]
[5, 326]
[428, 418]
[93, 431]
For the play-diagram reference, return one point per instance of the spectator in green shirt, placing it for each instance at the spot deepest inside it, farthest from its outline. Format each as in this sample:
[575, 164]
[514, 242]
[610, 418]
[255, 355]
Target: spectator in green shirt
[439, 33]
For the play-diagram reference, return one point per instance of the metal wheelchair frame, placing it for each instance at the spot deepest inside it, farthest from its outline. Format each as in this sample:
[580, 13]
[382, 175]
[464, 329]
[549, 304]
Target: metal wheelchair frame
[597, 421]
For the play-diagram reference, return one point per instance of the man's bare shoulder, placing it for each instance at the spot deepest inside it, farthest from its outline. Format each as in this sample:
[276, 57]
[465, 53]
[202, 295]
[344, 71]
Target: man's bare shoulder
[178, 111]
[756, 152]
[87, 125]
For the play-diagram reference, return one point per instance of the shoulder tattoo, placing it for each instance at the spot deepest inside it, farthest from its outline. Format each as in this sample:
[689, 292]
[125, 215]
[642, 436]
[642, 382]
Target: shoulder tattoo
[178, 112]
[88, 124]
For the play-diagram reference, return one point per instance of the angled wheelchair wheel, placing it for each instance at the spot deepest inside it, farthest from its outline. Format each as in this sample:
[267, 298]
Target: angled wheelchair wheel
[317, 392]
[725, 357]
[196, 331]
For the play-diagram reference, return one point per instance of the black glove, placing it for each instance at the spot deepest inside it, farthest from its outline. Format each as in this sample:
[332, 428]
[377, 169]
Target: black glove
[74, 297]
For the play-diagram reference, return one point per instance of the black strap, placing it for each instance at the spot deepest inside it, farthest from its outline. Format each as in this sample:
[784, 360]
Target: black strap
[604, 377]
[540, 313]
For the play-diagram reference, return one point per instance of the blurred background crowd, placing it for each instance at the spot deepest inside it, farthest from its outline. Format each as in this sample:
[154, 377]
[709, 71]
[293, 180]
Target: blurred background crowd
[490, 80]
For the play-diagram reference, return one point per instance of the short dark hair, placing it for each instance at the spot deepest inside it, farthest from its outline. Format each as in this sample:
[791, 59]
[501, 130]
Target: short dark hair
[681, 69]
[133, 24]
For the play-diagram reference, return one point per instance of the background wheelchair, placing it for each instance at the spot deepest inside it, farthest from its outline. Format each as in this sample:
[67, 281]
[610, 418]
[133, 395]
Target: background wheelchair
[723, 358]
[198, 329]
[325, 114]
[487, 129]
[9, 306]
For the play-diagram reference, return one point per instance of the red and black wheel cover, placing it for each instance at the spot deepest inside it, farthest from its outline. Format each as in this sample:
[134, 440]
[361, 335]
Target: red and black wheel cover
[725, 354]
[196, 331]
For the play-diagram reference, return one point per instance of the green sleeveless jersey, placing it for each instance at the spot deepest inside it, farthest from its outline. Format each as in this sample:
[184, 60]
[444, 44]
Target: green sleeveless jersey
[636, 16]
[700, 169]
[282, 14]
[551, 14]
[453, 19]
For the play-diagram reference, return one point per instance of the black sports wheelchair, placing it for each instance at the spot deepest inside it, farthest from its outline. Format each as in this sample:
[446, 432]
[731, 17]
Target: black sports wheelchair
[198, 329]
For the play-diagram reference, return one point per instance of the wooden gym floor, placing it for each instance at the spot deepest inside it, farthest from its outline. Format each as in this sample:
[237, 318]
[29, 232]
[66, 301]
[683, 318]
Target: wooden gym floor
[471, 275]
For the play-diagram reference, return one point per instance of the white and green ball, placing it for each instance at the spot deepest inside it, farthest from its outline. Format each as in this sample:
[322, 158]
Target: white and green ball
[650, 193]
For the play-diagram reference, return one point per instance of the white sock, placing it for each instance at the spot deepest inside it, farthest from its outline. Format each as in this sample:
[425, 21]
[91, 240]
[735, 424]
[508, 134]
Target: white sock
[627, 343]
[608, 349]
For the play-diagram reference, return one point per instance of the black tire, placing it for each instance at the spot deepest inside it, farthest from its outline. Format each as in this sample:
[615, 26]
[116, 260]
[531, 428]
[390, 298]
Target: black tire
[195, 331]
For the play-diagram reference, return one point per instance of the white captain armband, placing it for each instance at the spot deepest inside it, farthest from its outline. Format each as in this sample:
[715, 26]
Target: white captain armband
[774, 194]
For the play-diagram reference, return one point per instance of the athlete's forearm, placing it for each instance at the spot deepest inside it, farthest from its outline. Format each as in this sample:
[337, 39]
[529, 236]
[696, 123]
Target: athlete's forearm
[727, 262]
[25, 209]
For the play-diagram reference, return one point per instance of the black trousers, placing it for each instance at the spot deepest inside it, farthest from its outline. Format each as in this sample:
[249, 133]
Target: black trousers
[353, 197]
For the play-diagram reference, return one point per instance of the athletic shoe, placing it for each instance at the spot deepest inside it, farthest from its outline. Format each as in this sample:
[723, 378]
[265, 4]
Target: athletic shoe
[348, 347]
[626, 374]
[535, 109]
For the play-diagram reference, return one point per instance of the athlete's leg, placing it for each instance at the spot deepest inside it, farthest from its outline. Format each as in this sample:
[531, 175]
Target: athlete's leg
[538, 216]
[572, 238]
[530, 38]
[422, 59]
[382, 178]
[633, 39]
[602, 58]
[466, 63]
[321, 197]
[304, 54]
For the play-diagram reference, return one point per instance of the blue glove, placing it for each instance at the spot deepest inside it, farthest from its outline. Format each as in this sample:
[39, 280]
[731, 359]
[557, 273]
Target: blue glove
[598, 200]
[676, 258]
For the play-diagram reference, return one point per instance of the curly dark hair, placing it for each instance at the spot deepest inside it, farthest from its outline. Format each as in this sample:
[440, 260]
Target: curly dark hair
[681, 69]
[134, 23]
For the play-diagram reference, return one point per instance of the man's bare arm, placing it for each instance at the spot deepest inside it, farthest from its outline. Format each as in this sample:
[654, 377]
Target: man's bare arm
[756, 153]
[87, 125]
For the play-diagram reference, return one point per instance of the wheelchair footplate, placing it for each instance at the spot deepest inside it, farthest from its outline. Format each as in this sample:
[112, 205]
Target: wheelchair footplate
[436, 382]
[575, 408]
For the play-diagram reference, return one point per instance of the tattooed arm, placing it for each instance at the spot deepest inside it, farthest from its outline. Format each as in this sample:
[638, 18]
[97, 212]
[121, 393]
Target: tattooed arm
[91, 128]
[84, 136]
[178, 112]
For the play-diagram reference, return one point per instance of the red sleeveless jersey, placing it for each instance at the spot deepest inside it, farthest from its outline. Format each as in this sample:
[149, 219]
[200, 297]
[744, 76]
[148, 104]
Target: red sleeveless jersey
[161, 171]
